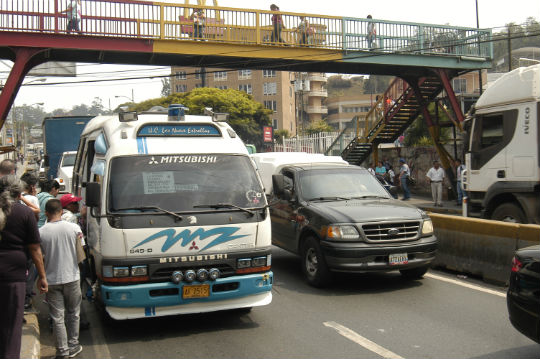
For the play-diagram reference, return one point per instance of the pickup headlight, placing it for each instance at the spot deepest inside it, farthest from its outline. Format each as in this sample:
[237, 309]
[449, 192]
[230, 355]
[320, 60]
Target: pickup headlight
[343, 233]
[427, 227]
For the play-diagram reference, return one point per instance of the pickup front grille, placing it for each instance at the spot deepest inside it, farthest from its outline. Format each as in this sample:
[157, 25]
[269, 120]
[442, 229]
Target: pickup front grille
[393, 231]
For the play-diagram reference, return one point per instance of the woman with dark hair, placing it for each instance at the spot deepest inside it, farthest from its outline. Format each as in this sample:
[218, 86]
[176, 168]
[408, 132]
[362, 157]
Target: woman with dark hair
[19, 237]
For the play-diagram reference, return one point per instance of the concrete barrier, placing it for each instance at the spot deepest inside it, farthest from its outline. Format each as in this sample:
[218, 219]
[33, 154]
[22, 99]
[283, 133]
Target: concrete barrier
[481, 247]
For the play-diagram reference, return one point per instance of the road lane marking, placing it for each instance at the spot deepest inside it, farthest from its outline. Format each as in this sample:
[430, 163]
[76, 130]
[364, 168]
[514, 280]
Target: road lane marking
[465, 284]
[360, 340]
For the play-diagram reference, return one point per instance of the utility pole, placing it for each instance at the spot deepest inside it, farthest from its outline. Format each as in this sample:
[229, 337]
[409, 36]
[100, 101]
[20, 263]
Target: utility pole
[509, 50]
[479, 50]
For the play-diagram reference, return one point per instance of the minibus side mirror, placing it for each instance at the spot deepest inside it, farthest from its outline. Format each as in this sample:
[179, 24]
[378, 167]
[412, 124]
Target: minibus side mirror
[93, 194]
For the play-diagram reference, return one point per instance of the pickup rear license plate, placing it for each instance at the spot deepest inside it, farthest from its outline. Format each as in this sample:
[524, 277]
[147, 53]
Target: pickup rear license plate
[195, 291]
[398, 258]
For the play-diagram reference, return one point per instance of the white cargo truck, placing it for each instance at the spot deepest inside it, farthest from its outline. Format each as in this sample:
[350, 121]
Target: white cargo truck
[502, 175]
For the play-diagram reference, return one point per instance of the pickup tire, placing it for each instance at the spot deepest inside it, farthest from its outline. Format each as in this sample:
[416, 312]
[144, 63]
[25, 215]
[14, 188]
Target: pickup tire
[509, 212]
[313, 264]
[414, 273]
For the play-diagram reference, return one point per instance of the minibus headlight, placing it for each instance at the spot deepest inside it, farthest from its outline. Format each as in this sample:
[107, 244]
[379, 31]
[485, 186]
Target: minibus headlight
[344, 233]
[427, 227]
[190, 276]
[243, 263]
[202, 275]
[137, 271]
[120, 271]
[214, 274]
[258, 262]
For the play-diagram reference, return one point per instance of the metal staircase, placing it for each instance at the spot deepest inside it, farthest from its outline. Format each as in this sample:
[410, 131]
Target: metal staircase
[388, 118]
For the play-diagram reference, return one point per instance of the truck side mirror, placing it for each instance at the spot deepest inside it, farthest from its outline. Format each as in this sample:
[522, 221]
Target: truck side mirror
[93, 194]
[278, 183]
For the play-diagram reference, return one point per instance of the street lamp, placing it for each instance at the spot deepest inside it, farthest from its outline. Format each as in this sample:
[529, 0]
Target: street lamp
[132, 99]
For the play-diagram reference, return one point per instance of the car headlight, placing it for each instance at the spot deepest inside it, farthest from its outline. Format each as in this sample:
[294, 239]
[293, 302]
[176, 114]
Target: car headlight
[344, 233]
[427, 227]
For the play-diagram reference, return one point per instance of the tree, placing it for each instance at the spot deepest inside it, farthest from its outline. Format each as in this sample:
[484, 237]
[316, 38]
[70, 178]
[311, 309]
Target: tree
[246, 116]
[318, 127]
[376, 84]
[417, 134]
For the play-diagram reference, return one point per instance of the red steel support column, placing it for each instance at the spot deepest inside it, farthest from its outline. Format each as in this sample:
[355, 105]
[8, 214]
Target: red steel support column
[24, 61]
[443, 75]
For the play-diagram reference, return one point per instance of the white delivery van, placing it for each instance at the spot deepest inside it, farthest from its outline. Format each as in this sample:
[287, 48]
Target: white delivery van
[65, 170]
[177, 219]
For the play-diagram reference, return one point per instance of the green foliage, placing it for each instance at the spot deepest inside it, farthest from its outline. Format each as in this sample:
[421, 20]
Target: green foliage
[418, 133]
[317, 127]
[246, 116]
[281, 134]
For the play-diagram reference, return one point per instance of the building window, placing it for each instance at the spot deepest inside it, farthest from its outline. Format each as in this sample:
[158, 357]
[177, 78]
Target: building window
[198, 74]
[181, 88]
[222, 87]
[244, 74]
[271, 105]
[274, 124]
[246, 88]
[459, 85]
[269, 73]
[181, 75]
[198, 86]
[220, 76]
[269, 88]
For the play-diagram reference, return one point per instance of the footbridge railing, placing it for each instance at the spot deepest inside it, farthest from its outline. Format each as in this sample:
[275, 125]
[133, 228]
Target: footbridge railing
[165, 21]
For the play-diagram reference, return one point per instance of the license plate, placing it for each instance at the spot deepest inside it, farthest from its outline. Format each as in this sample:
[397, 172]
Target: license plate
[195, 291]
[398, 258]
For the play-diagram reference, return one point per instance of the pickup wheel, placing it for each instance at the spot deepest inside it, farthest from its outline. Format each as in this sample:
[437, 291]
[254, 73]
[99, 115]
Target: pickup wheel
[509, 212]
[414, 273]
[314, 265]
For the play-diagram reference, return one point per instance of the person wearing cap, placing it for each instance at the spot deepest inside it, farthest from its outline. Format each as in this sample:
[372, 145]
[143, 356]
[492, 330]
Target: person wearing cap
[435, 176]
[404, 173]
[70, 205]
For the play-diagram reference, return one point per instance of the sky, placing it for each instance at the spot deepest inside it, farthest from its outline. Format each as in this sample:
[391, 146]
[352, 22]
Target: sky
[491, 13]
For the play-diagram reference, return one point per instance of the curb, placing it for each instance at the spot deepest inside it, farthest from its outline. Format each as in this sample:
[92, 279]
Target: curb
[30, 345]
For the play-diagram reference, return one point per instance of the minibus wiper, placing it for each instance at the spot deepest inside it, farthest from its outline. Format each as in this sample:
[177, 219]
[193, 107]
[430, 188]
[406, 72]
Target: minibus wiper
[177, 216]
[224, 205]
[335, 198]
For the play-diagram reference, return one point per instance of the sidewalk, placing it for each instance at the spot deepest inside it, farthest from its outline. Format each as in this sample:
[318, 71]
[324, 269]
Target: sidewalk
[30, 344]
[426, 204]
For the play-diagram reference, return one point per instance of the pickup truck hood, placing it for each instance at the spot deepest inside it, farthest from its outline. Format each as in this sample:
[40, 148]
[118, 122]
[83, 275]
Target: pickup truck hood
[365, 210]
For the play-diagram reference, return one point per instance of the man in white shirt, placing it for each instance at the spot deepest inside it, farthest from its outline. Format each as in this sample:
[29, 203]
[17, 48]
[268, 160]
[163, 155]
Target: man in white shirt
[435, 176]
[459, 176]
[60, 243]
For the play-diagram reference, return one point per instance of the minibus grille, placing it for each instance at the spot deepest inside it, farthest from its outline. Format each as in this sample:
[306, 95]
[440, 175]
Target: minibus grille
[164, 274]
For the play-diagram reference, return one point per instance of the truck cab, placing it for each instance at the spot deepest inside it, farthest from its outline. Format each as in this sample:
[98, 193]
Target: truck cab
[65, 170]
[339, 218]
[502, 158]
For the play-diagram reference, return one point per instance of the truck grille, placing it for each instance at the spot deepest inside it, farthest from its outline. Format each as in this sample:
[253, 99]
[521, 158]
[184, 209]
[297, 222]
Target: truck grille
[400, 231]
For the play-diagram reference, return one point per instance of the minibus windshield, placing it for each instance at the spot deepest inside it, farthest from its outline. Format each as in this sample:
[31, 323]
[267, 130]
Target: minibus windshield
[178, 183]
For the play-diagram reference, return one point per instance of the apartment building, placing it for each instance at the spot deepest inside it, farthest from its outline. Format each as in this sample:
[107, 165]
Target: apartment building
[342, 109]
[274, 89]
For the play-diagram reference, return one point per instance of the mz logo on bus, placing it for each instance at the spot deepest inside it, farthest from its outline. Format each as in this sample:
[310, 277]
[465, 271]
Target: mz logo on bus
[186, 238]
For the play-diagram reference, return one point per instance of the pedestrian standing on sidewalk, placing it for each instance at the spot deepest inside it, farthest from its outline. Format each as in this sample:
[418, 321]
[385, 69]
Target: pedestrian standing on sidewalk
[49, 190]
[435, 176]
[459, 176]
[404, 173]
[7, 167]
[60, 241]
[19, 238]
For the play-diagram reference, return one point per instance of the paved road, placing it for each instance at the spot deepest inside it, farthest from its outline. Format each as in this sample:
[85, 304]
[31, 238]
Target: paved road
[360, 316]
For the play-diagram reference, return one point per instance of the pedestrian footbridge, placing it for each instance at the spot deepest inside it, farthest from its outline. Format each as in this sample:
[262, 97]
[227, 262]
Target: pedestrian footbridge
[425, 56]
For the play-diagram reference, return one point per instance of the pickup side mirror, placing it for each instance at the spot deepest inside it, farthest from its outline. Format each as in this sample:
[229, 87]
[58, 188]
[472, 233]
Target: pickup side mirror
[278, 183]
[93, 194]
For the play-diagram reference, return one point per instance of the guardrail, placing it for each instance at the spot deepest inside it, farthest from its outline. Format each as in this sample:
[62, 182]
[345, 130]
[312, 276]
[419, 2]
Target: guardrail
[154, 20]
[479, 246]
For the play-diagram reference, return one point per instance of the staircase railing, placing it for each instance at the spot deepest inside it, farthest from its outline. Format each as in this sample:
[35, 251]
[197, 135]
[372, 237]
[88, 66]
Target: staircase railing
[348, 134]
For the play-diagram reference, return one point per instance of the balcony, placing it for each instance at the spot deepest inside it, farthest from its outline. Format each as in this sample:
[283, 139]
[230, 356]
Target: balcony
[320, 78]
[319, 93]
[317, 109]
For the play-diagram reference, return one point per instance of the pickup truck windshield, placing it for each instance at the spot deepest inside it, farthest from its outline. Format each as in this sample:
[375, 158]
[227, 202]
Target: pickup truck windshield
[177, 183]
[68, 160]
[346, 183]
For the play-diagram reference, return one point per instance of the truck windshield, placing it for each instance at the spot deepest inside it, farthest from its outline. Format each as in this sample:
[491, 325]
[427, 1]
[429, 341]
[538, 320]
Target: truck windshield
[68, 160]
[340, 184]
[179, 182]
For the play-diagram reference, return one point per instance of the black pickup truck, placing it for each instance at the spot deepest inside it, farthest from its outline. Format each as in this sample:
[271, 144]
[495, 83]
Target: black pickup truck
[339, 218]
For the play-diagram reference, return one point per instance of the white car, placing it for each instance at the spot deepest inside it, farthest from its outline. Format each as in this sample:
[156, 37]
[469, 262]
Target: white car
[65, 170]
